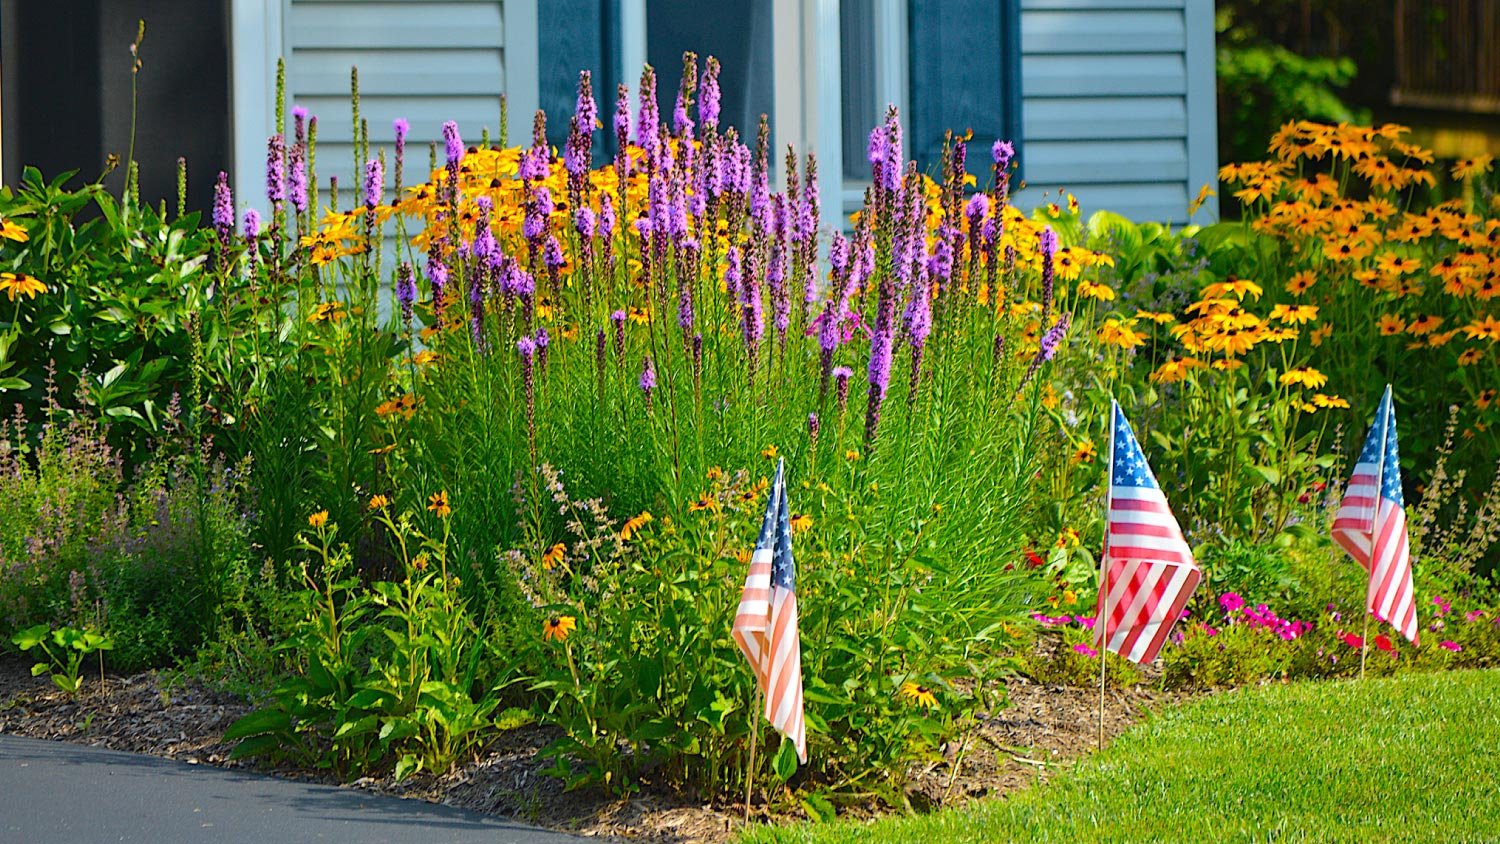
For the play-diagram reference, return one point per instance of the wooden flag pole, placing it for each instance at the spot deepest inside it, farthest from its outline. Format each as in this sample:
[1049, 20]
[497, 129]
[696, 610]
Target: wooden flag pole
[754, 742]
[1101, 625]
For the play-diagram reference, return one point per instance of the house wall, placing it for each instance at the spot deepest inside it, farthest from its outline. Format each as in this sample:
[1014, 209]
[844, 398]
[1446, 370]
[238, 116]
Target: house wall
[1118, 104]
[428, 61]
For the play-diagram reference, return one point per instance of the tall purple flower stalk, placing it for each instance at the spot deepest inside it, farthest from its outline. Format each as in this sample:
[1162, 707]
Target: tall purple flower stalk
[648, 119]
[374, 183]
[252, 226]
[648, 381]
[223, 210]
[276, 170]
[543, 343]
[527, 349]
[437, 276]
[406, 292]
[1048, 249]
[618, 320]
[708, 96]
[402, 129]
[453, 147]
[880, 357]
[841, 376]
[297, 178]
[299, 125]
[918, 319]
[1047, 347]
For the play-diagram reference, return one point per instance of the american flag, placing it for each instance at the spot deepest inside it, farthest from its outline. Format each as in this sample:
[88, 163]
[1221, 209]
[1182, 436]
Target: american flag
[765, 627]
[1371, 525]
[1150, 569]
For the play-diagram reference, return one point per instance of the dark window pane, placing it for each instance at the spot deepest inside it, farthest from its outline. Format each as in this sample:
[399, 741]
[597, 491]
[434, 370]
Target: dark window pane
[736, 32]
[857, 60]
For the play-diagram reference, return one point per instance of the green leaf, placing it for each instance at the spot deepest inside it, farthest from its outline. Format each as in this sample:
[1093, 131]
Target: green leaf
[30, 637]
[785, 761]
[259, 722]
[14, 384]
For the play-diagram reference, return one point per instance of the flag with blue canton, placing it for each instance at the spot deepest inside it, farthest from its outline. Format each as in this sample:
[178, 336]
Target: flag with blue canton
[1147, 572]
[765, 625]
[1370, 524]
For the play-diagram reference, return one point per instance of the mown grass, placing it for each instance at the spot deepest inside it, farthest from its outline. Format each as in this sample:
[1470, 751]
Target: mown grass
[1412, 758]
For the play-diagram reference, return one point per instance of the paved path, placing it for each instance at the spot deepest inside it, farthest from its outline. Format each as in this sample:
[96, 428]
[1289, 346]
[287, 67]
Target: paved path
[57, 793]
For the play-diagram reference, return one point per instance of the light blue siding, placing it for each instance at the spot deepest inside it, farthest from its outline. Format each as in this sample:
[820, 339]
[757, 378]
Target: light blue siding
[425, 60]
[1118, 105]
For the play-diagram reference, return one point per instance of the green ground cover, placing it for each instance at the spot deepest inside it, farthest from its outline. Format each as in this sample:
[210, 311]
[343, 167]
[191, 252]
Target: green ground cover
[1409, 758]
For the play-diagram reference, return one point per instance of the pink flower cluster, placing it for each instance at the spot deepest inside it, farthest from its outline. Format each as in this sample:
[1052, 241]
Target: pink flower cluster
[1261, 616]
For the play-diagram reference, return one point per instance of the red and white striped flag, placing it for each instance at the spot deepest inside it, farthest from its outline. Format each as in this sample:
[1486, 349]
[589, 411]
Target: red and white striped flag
[1371, 525]
[765, 627]
[1149, 568]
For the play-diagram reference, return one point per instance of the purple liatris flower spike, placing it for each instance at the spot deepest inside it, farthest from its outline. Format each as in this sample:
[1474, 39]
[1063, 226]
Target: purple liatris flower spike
[374, 183]
[841, 376]
[406, 291]
[1048, 346]
[622, 118]
[553, 254]
[878, 153]
[647, 117]
[453, 145]
[437, 276]
[252, 224]
[402, 128]
[223, 209]
[585, 222]
[708, 95]
[527, 349]
[543, 342]
[812, 428]
[648, 380]
[685, 306]
[1048, 249]
[618, 320]
[276, 169]
[586, 110]
[299, 125]
[606, 216]
[297, 178]
[732, 272]
[1002, 152]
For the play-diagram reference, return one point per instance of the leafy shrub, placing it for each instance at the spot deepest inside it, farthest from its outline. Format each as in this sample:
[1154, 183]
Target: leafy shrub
[142, 558]
[384, 675]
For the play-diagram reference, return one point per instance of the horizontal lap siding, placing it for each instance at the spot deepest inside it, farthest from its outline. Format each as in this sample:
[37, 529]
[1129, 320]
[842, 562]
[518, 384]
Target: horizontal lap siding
[426, 61]
[1105, 105]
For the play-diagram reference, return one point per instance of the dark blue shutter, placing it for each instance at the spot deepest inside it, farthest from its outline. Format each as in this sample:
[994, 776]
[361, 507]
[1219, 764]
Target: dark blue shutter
[574, 35]
[965, 74]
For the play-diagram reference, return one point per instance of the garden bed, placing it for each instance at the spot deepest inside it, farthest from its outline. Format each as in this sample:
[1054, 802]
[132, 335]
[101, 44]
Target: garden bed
[1043, 728]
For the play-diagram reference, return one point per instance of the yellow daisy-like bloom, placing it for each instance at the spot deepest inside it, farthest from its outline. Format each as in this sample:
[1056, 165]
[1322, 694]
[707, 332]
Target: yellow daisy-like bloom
[1294, 314]
[1238, 287]
[715, 473]
[705, 502]
[1436, 341]
[1175, 369]
[1391, 324]
[558, 627]
[318, 519]
[1300, 282]
[851, 455]
[1393, 264]
[1325, 401]
[438, 503]
[21, 284]
[1487, 328]
[1320, 334]
[1085, 453]
[1228, 364]
[1422, 326]
[1485, 399]
[919, 695]
[633, 526]
[9, 230]
[800, 522]
[1158, 318]
[1304, 376]
[554, 555]
[769, 452]
[1471, 167]
[1469, 357]
[327, 312]
[1116, 333]
[1091, 290]
[424, 357]
[379, 502]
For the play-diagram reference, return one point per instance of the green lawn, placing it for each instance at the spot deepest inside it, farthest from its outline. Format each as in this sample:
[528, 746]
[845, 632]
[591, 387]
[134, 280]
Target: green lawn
[1414, 758]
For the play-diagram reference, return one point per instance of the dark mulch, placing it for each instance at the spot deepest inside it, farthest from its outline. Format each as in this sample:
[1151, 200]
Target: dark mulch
[1043, 730]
